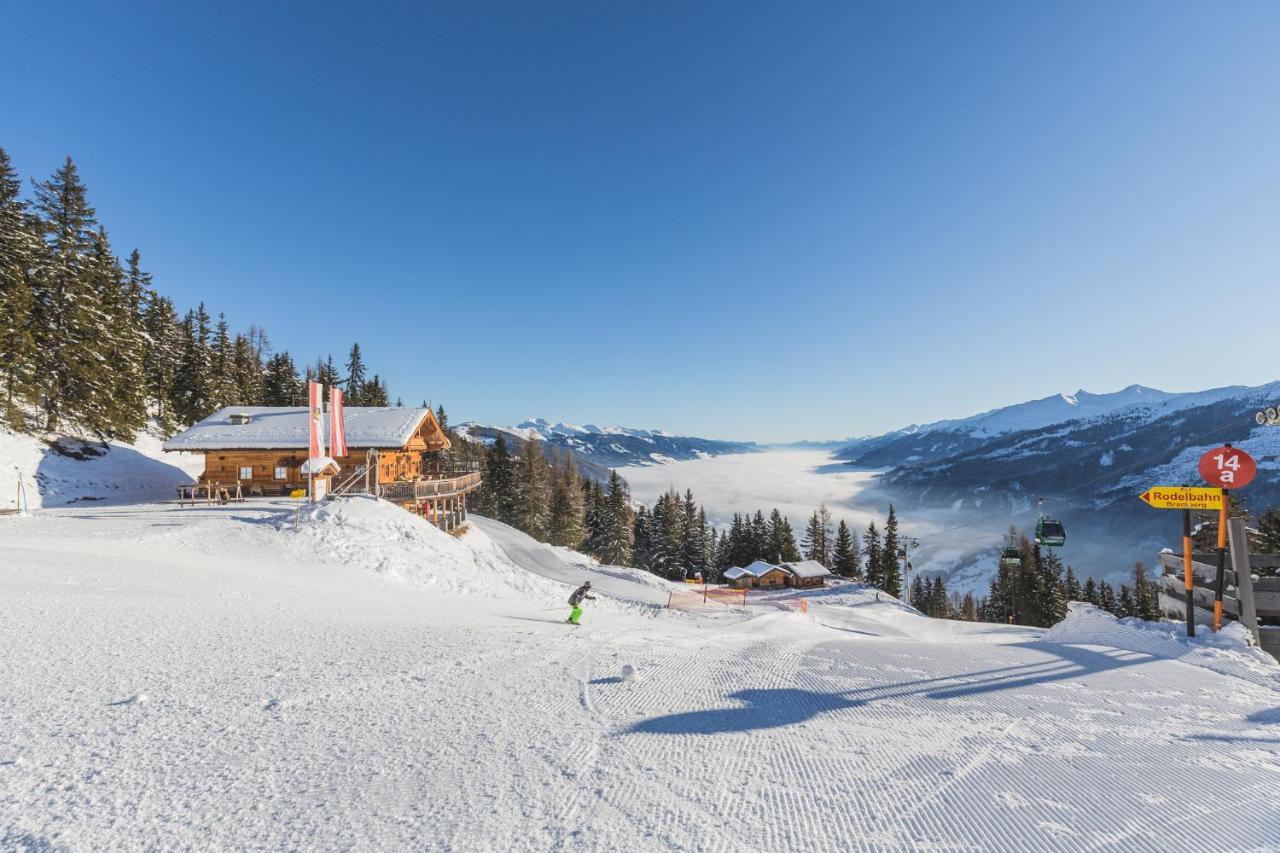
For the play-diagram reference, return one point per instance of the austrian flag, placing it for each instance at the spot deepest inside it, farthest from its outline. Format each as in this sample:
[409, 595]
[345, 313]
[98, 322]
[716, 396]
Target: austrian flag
[337, 424]
[316, 395]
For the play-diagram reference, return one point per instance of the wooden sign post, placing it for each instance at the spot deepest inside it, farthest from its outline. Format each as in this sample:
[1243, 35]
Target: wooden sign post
[1226, 468]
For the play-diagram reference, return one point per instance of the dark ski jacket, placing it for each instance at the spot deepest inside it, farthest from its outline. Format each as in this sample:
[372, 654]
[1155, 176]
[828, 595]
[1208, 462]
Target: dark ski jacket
[579, 594]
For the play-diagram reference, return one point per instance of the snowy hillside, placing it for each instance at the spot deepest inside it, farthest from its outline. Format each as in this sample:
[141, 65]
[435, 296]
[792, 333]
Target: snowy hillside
[68, 470]
[602, 448]
[1090, 455]
[351, 677]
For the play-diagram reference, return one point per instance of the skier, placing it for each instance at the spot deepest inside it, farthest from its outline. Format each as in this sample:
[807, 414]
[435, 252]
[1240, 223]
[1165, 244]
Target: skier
[575, 601]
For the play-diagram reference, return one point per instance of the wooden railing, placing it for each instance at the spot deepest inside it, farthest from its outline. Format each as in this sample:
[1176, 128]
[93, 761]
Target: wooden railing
[441, 486]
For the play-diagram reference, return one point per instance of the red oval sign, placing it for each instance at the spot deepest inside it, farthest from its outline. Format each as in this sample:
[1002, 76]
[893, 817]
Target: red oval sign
[1228, 467]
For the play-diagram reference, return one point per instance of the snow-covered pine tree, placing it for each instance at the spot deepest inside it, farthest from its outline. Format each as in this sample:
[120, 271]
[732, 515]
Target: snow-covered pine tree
[694, 536]
[115, 404]
[281, 384]
[1107, 599]
[1050, 590]
[919, 600]
[192, 395]
[817, 536]
[642, 539]
[1090, 591]
[356, 377]
[67, 315]
[1146, 595]
[567, 522]
[1071, 586]
[890, 571]
[533, 480]
[163, 354]
[873, 550]
[248, 370]
[375, 392]
[845, 554]
[224, 389]
[616, 545]
[20, 247]
[939, 606]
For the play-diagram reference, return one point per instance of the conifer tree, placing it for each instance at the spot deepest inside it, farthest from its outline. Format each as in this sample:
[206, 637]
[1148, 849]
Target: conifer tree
[281, 384]
[114, 402]
[694, 541]
[642, 540]
[501, 497]
[919, 600]
[874, 552]
[248, 373]
[66, 310]
[568, 514]
[615, 547]
[845, 556]
[1107, 599]
[817, 536]
[1146, 595]
[192, 393]
[374, 393]
[19, 249]
[223, 387]
[163, 354]
[533, 478]
[354, 395]
[1071, 586]
[890, 572]
[1091, 591]
[1269, 531]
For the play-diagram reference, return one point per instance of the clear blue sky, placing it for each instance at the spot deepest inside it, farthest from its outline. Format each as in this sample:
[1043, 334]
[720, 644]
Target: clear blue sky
[745, 220]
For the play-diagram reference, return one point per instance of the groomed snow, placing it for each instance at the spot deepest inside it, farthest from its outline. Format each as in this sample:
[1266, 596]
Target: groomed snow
[216, 678]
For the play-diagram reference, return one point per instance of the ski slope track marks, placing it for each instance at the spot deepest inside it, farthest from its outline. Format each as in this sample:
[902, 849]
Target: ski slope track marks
[213, 678]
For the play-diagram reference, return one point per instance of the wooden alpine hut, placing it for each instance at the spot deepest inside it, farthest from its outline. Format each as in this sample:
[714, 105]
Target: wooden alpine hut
[264, 450]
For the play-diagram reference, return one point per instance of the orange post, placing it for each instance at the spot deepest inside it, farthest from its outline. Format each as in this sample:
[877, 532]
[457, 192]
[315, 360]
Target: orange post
[1222, 562]
[1186, 570]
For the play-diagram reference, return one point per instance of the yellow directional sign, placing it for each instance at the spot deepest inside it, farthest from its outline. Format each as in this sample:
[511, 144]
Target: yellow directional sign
[1183, 497]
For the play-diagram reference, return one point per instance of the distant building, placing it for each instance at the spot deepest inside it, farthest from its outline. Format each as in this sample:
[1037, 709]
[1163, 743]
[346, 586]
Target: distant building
[762, 575]
[758, 575]
[808, 573]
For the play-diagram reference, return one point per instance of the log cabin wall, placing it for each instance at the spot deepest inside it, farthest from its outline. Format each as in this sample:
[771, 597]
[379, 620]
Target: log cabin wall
[264, 466]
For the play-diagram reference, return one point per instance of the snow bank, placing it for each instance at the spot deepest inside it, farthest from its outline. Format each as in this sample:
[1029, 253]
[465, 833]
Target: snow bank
[380, 537]
[1228, 651]
[66, 470]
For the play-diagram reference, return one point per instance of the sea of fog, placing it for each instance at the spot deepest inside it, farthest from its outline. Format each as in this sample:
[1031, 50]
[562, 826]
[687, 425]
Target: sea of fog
[954, 544]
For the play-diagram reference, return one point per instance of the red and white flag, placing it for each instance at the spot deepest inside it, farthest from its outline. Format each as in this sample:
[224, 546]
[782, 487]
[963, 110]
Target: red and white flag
[316, 395]
[337, 424]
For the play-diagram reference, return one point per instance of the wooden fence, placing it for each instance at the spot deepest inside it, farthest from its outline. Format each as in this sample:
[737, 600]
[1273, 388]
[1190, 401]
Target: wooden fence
[1261, 589]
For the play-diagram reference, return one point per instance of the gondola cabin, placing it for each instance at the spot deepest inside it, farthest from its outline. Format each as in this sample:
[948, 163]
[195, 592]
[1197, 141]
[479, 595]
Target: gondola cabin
[1011, 558]
[1050, 533]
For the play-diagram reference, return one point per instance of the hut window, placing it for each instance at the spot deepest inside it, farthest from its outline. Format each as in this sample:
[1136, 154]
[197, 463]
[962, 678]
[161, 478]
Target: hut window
[246, 472]
[282, 473]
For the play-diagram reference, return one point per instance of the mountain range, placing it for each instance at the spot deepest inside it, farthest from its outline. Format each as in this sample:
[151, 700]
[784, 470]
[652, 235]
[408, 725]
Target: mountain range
[597, 449]
[1089, 455]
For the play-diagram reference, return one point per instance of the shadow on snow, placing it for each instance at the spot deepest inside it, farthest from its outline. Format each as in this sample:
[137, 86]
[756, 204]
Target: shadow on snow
[768, 708]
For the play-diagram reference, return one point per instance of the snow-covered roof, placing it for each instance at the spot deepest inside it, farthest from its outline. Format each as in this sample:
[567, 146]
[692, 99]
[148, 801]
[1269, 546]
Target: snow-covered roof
[807, 569]
[271, 428]
[760, 568]
[319, 464]
[734, 572]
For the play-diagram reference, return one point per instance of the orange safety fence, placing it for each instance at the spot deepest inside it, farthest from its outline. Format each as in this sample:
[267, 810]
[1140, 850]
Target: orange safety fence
[700, 596]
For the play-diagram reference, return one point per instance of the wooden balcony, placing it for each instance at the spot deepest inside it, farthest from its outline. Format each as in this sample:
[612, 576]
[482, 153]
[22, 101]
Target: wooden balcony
[431, 486]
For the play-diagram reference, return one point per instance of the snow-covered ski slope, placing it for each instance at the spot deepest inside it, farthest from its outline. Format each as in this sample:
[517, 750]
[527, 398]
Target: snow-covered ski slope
[212, 678]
